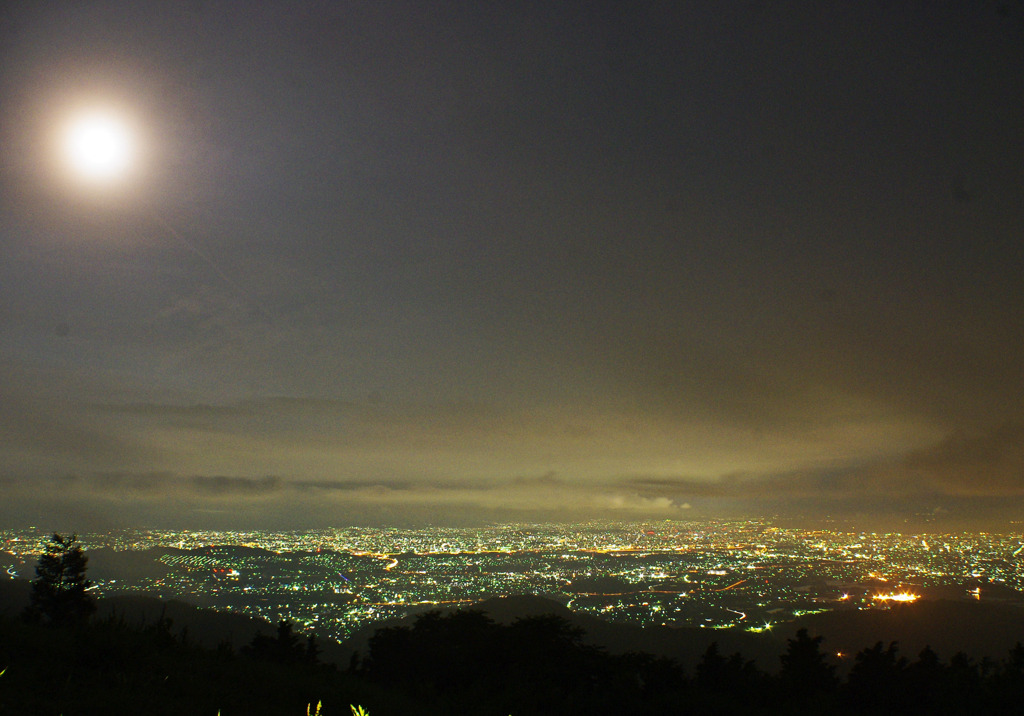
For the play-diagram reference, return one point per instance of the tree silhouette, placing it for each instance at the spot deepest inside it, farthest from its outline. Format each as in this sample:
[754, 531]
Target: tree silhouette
[538, 664]
[447, 652]
[878, 678]
[59, 593]
[962, 682]
[1008, 682]
[716, 673]
[312, 653]
[804, 669]
[285, 648]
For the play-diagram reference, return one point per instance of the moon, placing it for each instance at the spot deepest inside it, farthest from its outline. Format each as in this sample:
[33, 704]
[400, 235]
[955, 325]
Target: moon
[98, 145]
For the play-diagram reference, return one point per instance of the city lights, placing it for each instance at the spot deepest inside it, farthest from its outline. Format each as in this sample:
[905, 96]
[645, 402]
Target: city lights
[744, 574]
[897, 597]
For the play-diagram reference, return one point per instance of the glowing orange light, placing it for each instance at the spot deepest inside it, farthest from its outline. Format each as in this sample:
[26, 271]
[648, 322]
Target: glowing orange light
[897, 597]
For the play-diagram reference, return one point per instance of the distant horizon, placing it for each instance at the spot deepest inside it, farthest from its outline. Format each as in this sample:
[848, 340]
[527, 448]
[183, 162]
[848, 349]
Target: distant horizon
[845, 525]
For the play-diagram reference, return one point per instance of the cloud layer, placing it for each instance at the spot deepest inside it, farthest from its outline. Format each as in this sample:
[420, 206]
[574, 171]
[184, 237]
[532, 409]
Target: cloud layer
[396, 263]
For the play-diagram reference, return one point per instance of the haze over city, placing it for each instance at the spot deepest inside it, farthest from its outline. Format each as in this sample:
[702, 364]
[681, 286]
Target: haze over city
[403, 263]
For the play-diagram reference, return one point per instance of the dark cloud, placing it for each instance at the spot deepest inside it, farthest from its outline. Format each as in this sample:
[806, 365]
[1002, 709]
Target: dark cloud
[46, 434]
[548, 479]
[989, 464]
[221, 486]
[958, 478]
[151, 484]
[376, 486]
[245, 502]
[978, 475]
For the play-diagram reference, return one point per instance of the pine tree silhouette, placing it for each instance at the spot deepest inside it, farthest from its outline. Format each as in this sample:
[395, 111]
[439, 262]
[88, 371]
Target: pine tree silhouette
[59, 593]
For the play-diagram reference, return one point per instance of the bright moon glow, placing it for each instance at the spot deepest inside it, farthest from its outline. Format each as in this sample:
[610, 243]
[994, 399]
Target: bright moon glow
[98, 146]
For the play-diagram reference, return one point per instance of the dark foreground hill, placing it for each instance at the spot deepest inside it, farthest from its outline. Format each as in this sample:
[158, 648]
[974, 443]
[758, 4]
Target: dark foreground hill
[518, 655]
[983, 630]
[204, 627]
[108, 668]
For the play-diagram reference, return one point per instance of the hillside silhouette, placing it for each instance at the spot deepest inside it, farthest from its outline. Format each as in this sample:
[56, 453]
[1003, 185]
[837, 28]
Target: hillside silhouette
[203, 627]
[977, 628]
[947, 626]
[518, 655]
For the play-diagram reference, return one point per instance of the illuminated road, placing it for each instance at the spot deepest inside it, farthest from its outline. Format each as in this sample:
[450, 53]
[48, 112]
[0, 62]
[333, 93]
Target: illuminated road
[391, 561]
[419, 604]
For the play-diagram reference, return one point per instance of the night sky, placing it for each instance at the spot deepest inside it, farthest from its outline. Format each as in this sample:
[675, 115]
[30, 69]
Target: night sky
[461, 262]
